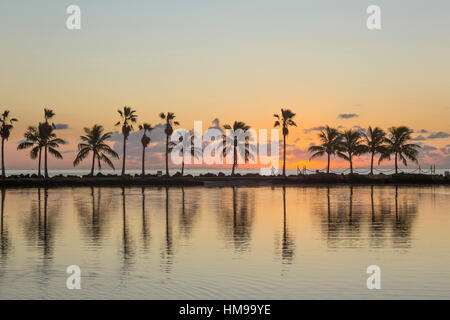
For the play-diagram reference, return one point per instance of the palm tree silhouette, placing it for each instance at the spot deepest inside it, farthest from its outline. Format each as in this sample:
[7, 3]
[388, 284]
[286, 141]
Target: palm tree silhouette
[374, 140]
[285, 121]
[128, 117]
[5, 131]
[170, 122]
[145, 140]
[236, 138]
[94, 141]
[186, 146]
[331, 141]
[47, 131]
[397, 145]
[50, 142]
[34, 138]
[351, 146]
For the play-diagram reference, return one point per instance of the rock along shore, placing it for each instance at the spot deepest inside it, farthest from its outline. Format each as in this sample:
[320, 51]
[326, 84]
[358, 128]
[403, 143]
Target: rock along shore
[23, 181]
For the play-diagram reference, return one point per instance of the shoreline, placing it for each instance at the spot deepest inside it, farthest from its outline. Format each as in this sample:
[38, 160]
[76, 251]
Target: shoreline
[213, 180]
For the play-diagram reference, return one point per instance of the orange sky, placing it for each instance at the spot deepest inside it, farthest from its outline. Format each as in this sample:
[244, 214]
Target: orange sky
[229, 62]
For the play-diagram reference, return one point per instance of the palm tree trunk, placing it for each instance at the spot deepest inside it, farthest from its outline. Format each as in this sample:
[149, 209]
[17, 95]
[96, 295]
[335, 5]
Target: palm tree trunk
[143, 161]
[3, 157]
[182, 167]
[124, 154]
[396, 166]
[371, 163]
[93, 163]
[328, 167]
[234, 158]
[39, 165]
[284, 155]
[167, 155]
[351, 165]
[182, 161]
[45, 163]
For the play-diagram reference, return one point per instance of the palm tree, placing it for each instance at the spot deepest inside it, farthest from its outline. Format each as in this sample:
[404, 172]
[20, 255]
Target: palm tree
[186, 146]
[46, 133]
[50, 143]
[170, 122]
[238, 139]
[5, 131]
[351, 146]
[374, 140]
[33, 139]
[128, 117]
[397, 145]
[94, 141]
[330, 143]
[285, 121]
[145, 140]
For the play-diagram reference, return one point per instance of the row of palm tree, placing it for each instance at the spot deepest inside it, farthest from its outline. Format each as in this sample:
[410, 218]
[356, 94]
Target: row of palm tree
[347, 145]
[352, 143]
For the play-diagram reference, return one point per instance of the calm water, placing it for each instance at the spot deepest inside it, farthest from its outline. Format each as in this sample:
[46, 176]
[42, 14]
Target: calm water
[228, 243]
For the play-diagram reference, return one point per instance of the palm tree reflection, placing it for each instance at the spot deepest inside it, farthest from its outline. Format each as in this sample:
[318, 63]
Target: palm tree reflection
[405, 212]
[287, 244]
[167, 253]
[350, 210]
[145, 229]
[127, 243]
[188, 213]
[238, 222]
[4, 242]
[47, 225]
[328, 204]
[94, 217]
[392, 209]
[39, 228]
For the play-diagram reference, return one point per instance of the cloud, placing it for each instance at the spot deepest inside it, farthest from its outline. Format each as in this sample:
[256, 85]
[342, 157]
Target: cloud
[430, 155]
[348, 115]
[359, 128]
[61, 126]
[314, 129]
[419, 138]
[296, 154]
[423, 131]
[68, 151]
[439, 135]
[428, 148]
